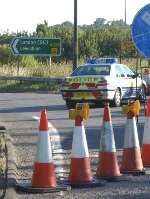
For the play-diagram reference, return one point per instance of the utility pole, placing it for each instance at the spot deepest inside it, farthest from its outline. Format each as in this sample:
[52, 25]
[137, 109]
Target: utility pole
[75, 38]
[125, 11]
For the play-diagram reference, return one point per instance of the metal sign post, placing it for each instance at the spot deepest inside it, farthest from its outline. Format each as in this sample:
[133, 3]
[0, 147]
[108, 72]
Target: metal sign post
[75, 36]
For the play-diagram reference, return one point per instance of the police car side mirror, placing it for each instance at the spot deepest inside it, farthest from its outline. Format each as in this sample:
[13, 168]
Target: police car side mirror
[134, 76]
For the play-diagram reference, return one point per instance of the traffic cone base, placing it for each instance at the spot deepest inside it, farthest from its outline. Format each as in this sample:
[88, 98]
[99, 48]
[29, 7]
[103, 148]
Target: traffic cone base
[146, 155]
[108, 165]
[131, 160]
[44, 175]
[80, 171]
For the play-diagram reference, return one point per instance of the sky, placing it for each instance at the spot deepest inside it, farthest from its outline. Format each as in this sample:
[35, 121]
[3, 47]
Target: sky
[24, 15]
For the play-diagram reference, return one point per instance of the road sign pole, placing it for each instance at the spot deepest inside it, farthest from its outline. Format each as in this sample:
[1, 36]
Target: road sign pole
[18, 64]
[125, 12]
[137, 65]
[75, 41]
[148, 62]
[50, 61]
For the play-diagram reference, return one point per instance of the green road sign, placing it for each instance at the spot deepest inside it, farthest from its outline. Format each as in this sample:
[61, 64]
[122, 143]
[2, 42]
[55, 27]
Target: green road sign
[36, 46]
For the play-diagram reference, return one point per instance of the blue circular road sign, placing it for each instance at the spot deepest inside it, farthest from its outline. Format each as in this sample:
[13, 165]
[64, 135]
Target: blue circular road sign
[141, 30]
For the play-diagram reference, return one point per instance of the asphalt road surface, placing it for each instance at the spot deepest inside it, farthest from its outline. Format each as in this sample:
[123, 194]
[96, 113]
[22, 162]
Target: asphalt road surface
[18, 113]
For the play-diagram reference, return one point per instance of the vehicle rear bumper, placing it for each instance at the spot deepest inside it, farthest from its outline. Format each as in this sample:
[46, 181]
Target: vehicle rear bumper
[88, 95]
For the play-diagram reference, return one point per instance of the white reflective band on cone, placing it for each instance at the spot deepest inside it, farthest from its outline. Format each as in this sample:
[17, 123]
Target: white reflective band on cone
[44, 151]
[146, 135]
[79, 145]
[107, 142]
[131, 135]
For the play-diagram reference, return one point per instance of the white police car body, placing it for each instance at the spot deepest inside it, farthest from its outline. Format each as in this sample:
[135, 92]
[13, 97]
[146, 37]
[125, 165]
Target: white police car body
[101, 80]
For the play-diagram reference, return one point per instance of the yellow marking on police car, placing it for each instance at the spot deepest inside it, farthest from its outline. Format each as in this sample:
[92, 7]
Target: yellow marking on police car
[83, 94]
[83, 80]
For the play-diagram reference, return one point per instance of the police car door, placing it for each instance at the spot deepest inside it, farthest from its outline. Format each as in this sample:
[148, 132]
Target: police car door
[124, 82]
[130, 82]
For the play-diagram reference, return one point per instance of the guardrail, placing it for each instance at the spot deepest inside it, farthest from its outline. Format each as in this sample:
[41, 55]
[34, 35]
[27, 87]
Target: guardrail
[32, 79]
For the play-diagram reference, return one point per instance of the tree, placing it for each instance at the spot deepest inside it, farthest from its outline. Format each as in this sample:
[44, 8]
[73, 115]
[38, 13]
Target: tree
[67, 24]
[99, 22]
[6, 56]
[42, 29]
[117, 23]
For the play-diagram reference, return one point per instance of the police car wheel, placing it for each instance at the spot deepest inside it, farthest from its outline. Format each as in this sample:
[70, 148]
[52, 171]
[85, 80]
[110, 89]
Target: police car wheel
[117, 98]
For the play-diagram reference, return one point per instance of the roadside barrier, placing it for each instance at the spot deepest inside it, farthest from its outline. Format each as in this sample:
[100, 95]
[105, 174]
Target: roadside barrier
[146, 137]
[131, 160]
[108, 167]
[44, 177]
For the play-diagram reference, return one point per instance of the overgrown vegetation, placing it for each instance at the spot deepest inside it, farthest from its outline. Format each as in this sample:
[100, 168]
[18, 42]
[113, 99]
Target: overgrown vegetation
[17, 86]
[40, 70]
[100, 39]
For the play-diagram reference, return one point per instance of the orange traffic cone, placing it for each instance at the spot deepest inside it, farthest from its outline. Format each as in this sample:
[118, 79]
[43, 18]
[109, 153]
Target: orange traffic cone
[44, 169]
[80, 168]
[146, 138]
[108, 165]
[43, 178]
[132, 161]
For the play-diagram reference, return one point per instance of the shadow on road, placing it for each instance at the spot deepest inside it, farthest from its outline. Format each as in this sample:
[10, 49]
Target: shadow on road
[33, 109]
[93, 137]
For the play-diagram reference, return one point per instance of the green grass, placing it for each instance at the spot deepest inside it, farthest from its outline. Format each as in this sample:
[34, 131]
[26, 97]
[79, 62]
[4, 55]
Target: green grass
[36, 71]
[15, 86]
[55, 70]
[132, 63]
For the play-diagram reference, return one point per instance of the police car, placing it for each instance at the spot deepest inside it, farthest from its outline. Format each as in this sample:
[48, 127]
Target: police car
[101, 80]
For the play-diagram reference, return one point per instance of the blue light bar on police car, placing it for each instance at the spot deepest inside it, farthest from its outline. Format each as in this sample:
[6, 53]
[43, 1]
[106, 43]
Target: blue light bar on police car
[102, 60]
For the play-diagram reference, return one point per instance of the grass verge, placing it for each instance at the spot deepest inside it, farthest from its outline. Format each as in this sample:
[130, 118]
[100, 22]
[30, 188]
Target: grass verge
[15, 86]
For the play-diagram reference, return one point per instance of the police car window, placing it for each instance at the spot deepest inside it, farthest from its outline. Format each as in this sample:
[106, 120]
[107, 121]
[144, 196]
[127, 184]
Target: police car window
[92, 70]
[127, 71]
[119, 72]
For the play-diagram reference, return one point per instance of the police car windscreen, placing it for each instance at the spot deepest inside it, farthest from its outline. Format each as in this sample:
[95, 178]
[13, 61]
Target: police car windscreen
[92, 70]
